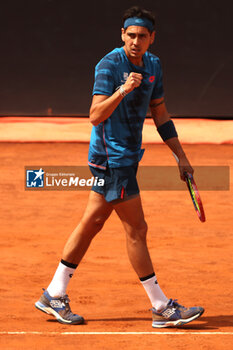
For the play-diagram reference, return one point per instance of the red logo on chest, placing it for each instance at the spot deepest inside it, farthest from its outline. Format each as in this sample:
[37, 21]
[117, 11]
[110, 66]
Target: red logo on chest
[152, 79]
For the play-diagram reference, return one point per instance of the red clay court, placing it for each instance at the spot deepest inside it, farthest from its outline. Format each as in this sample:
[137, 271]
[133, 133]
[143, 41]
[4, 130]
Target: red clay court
[193, 261]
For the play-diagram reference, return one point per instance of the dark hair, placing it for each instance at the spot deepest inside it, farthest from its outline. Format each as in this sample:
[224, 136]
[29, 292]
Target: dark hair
[137, 11]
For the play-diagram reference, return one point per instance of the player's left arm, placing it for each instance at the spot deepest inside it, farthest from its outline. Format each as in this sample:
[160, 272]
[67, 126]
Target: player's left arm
[163, 124]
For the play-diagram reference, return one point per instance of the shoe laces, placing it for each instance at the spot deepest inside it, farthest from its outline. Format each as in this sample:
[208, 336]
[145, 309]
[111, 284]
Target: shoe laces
[65, 299]
[174, 303]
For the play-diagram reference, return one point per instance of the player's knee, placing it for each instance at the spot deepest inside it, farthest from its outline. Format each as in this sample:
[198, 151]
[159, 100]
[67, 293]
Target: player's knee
[98, 222]
[139, 232]
[142, 233]
[95, 223]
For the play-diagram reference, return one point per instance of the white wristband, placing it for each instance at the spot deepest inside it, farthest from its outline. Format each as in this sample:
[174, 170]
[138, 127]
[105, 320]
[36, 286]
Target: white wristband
[122, 91]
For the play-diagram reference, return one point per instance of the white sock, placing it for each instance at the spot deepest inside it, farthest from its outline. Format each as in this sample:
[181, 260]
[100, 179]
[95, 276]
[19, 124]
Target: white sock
[158, 299]
[61, 278]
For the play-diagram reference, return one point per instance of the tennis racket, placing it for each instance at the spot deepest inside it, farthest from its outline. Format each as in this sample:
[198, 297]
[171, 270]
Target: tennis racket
[194, 193]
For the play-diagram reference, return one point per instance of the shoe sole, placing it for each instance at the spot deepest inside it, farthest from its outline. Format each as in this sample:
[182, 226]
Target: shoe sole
[176, 323]
[49, 311]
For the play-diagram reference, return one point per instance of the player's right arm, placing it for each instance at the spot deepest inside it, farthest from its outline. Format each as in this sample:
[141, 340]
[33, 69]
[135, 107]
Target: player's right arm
[103, 106]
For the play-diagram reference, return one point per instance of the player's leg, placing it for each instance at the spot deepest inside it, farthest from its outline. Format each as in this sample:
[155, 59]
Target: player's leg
[132, 217]
[94, 217]
[54, 300]
[165, 312]
[131, 214]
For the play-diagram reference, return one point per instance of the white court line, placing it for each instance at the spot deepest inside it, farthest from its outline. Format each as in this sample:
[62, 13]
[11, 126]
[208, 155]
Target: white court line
[115, 333]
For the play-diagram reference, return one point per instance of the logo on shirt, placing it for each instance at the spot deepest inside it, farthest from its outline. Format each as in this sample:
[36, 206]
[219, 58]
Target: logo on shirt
[152, 79]
[125, 77]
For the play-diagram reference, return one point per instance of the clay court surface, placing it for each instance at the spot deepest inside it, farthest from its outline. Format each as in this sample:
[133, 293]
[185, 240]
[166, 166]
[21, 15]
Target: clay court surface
[193, 260]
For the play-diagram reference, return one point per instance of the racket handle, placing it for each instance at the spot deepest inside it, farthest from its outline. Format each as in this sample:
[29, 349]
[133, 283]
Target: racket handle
[176, 158]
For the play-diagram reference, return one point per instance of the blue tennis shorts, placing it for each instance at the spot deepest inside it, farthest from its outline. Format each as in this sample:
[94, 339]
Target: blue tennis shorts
[119, 183]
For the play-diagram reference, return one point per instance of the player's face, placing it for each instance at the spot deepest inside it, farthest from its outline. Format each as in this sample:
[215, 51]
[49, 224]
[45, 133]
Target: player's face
[137, 41]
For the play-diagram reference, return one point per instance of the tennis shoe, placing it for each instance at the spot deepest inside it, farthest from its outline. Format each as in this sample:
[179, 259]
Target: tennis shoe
[175, 315]
[58, 307]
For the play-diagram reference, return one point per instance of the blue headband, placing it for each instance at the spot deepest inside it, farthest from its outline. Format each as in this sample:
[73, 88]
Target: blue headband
[141, 22]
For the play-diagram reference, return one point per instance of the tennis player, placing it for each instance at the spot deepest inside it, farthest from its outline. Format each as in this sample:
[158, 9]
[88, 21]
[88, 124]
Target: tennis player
[127, 81]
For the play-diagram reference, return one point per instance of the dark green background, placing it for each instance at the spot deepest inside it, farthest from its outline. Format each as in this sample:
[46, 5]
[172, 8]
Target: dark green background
[49, 49]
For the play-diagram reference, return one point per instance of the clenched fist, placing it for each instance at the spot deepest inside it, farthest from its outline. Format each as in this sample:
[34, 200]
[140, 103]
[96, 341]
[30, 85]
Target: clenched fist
[134, 80]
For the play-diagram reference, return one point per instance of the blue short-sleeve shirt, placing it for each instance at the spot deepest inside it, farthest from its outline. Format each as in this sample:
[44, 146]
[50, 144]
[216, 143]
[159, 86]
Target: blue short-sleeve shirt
[116, 142]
